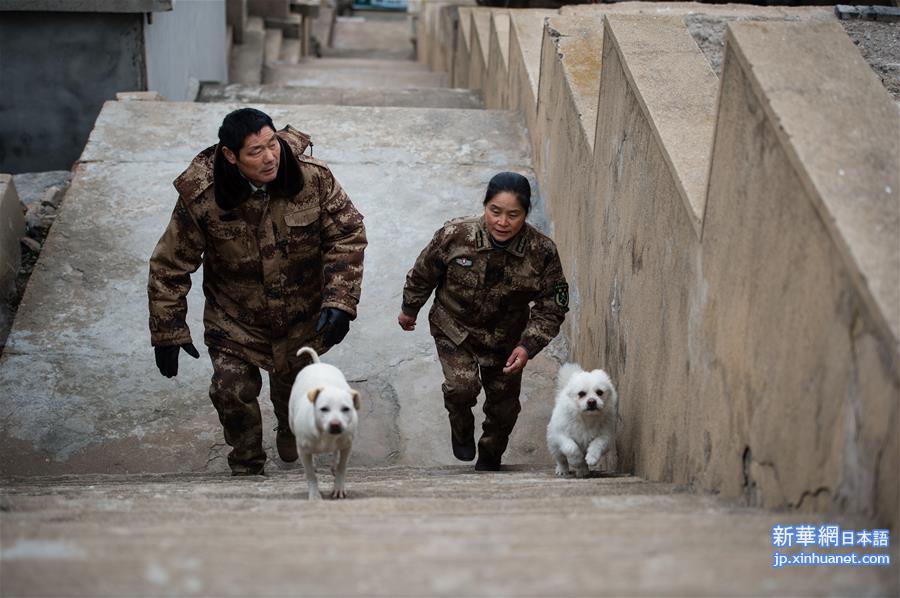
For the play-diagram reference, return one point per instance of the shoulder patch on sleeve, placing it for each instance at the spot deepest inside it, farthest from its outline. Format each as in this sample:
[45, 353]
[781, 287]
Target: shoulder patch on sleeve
[561, 293]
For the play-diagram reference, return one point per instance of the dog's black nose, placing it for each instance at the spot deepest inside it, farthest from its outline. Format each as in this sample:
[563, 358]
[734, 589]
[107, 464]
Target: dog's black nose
[335, 428]
[592, 404]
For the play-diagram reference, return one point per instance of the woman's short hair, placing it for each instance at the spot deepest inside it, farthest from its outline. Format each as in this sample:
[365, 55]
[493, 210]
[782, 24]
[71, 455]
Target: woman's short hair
[511, 182]
[241, 123]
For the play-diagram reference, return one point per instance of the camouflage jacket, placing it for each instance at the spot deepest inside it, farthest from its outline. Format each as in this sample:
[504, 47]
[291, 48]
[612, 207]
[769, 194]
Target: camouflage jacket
[270, 262]
[495, 298]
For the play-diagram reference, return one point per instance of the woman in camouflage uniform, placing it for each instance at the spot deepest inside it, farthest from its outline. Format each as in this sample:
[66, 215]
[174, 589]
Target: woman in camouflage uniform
[500, 297]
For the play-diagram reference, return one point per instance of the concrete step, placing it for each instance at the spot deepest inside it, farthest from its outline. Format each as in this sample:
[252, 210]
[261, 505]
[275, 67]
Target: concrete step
[81, 392]
[403, 54]
[434, 97]
[376, 64]
[308, 76]
[291, 49]
[403, 531]
[372, 33]
[245, 64]
[273, 42]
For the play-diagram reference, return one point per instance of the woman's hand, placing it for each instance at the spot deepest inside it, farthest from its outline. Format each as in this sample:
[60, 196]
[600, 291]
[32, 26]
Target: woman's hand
[406, 322]
[517, 360]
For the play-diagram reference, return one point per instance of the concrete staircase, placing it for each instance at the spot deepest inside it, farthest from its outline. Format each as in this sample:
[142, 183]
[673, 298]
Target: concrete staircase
[114, 480]
[368, 64]
[403, 531]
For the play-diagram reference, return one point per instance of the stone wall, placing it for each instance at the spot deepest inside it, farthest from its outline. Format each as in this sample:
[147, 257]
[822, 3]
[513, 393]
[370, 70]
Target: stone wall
[731, 240]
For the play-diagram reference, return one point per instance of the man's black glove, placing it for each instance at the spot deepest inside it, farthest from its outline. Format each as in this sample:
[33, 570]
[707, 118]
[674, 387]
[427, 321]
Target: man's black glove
[336, 323]
[167, 358]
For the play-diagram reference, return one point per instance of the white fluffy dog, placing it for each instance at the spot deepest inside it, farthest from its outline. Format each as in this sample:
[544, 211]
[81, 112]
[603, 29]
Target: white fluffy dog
[323, 418]
[583, 423]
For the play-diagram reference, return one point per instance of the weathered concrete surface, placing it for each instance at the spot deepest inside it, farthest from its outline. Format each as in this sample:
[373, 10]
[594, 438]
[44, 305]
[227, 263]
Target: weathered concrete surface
[686, 8]
[426, 97]
[800, 377]
[12, 228]
[80, 389]
[186, 45]
[272, 49]
[403, 532]
[50, 93]
[427, 38]
[375, 64]
[245, 64]
[312, 76]
[291, 50]
[375, 36]
[479, 47]
[462, 50]
[439, 23]
[496, 87]
[711, 327]
[444, 34]
[634, 247]
[563, 137]
[525, 39]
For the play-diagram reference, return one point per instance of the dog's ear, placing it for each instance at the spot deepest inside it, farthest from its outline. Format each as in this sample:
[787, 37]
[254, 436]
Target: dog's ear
[355, 400]
[314, 394]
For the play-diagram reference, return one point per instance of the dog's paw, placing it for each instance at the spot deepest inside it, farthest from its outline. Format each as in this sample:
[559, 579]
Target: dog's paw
[592, 460]
[562, 471]
[314, 496]
[338, 493]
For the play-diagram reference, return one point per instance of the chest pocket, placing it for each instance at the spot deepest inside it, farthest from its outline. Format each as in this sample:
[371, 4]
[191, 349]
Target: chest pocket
[303, 230]
[229, 240]
[462, 283]
[523, 289]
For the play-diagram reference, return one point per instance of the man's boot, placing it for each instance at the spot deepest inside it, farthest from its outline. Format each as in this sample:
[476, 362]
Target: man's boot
[286, 444]
[487, 462]
[465, 450]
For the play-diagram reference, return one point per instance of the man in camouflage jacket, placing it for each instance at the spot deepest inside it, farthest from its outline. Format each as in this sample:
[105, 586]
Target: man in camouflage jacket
[490, 302]
[282, 247]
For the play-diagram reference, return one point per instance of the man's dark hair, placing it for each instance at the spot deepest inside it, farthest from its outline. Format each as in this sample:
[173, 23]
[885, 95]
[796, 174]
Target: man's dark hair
[240, 123]
[511, 182]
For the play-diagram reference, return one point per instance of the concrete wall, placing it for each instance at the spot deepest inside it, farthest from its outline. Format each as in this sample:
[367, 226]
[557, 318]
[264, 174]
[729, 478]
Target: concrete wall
[496, 89]
[459, 73]
[637, 248]
[563, 138]
[56, 71]
[186, 46]
[732, 246]
[525, 39]
[479, 48]
[801, 376]
[58, 68]
[12, 228]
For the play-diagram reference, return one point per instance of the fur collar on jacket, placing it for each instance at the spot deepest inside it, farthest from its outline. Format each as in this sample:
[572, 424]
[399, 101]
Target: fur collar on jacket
[231, 189]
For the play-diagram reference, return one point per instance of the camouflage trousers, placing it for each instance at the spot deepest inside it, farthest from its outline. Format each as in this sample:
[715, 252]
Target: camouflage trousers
[234, 392]
[464, 378]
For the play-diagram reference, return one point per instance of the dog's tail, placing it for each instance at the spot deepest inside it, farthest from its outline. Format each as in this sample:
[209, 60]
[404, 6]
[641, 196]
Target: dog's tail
[566, 372]
[309, 351]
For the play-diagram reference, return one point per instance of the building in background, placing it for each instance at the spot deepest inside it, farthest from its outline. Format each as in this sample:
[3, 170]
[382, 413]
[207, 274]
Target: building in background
[60, 60]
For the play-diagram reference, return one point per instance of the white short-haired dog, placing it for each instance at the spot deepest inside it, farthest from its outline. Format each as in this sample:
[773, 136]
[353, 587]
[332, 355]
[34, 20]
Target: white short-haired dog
[583, 423]
[323, 418]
